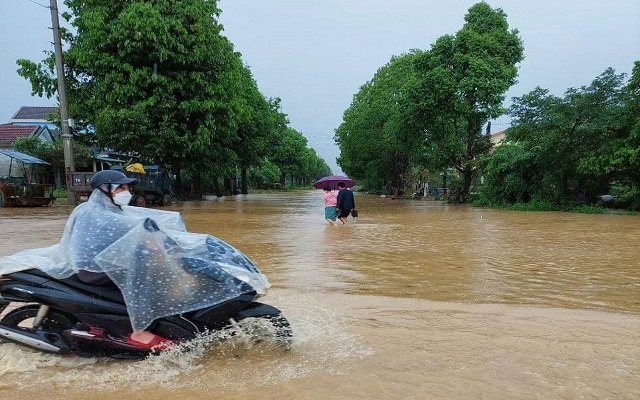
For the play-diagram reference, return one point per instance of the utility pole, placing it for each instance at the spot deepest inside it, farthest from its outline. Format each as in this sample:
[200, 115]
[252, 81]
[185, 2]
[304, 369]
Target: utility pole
[69, 165]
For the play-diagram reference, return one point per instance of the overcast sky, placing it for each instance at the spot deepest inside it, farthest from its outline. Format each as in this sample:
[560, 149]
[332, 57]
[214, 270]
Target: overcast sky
[315, 54]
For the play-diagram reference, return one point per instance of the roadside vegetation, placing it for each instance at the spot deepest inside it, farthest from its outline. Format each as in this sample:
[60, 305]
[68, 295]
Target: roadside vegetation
[570, 150]
[163, 85]
[424, 118]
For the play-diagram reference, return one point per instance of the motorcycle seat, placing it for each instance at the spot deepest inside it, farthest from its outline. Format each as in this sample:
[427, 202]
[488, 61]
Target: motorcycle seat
[108, 291]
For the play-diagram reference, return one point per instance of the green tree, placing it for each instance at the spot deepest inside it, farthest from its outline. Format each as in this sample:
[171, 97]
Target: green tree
[287, 154]
[627, 158]
[507, 175]
[560, 150]
[264, 175]
[376, 142]
[462, 81]
[33, 146]
[259, 124]
[160, 83]
[153, 79]
[53, 153]
[615, 112]
[313, 167]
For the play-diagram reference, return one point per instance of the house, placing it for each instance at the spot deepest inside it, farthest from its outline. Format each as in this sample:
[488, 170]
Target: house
[9, 133]
[36, 121]
[24, 180]
[40, 116]
[29, 121]
[497, 139]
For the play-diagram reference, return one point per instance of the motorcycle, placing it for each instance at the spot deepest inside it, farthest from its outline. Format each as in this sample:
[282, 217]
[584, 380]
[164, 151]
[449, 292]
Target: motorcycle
[67, 316]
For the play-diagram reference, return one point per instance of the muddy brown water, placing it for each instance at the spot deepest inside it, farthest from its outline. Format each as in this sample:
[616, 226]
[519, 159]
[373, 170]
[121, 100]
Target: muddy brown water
[414, 300]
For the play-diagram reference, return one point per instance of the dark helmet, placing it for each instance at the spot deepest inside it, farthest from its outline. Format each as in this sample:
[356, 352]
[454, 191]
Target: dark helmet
[112, 177]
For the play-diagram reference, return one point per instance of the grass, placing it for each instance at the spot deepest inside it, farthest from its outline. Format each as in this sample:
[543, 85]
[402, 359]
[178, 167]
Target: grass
[538, 205]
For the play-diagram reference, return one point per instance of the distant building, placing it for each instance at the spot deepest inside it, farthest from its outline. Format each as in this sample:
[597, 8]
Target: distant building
[26, 122]
[497, 139]
[36, 121]
[40, 116]
[9, 133]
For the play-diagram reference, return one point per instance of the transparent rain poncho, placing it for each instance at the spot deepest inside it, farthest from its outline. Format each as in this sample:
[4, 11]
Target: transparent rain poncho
[160, 268]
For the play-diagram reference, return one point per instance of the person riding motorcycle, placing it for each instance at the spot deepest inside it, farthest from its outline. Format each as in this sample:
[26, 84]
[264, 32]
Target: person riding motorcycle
[159, 268]
[115, 186]
[90, 236]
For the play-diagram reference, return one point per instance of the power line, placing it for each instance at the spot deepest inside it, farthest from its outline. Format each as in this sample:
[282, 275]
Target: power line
[41, 5]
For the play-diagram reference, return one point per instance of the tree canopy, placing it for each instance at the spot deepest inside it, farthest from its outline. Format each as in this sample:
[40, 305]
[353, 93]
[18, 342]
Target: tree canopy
[375, 140]
[427, 108]
[162, 83]
[570, 149]
[462, 80]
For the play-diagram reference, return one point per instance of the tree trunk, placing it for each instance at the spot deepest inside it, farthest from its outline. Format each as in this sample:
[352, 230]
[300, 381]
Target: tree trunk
[196, 188]
[216, 187]
[444, 182]
[230, 185]
[399, 173]
[244, 184]
[178, 184]
[467, 180]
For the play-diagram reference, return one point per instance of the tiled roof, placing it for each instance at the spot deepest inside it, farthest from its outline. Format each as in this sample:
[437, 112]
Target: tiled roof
[37, 113]
[9, 133]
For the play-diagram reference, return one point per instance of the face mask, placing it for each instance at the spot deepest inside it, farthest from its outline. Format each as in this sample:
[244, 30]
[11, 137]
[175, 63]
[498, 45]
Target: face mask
[123, 198]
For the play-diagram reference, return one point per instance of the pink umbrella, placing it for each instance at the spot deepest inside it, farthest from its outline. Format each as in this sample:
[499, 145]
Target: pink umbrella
[332, 181]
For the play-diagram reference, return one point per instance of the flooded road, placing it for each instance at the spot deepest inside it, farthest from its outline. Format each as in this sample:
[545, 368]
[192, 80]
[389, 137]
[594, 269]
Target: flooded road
[414, 300]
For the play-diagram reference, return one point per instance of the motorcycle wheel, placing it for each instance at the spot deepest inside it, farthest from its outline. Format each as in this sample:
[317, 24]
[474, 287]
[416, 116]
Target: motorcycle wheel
[281, 336]
[284, 333]
[22, 318]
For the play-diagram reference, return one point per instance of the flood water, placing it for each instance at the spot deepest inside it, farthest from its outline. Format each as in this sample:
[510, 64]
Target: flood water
[414, 300]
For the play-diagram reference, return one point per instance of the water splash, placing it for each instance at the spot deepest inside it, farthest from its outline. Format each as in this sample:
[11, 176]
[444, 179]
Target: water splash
[244, 355]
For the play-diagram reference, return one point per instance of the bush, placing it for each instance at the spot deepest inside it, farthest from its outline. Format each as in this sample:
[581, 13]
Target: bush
[264, 176]
[626, 197]
[60, 193]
